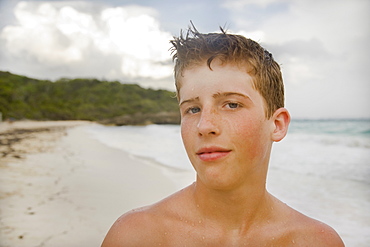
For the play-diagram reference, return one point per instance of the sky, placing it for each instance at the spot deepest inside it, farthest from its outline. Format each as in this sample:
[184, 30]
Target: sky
[322, 46]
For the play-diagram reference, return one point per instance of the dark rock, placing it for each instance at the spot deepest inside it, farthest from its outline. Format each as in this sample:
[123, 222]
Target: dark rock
[144, 119]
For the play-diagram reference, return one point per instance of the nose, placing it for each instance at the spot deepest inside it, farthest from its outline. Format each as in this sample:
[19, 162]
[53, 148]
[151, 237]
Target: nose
[208, 123]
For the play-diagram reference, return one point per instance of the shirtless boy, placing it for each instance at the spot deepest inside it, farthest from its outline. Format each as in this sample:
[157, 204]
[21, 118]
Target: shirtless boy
[231, 98]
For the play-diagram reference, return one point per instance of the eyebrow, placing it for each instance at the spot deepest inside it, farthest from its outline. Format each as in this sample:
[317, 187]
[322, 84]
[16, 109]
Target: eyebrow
[217, 95]
[226, 94]
[189, 101]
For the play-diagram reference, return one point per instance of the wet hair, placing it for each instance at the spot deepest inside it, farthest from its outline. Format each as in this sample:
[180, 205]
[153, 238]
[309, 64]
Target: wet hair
[194, 49]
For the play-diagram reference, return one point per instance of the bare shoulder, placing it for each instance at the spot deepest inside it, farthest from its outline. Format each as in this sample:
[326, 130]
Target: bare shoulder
[306, 231]
[321, 234]
[144, 226]
[129, 229]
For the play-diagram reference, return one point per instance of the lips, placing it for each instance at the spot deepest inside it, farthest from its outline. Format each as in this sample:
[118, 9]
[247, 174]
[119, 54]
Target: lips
[212, 153]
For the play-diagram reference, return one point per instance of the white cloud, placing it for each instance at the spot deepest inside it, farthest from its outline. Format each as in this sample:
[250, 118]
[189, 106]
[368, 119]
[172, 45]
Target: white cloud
[84, 39]
[258, 35]
[239, 4]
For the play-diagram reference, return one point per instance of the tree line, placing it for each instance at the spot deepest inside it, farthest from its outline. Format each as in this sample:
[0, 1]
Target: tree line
[79, 99]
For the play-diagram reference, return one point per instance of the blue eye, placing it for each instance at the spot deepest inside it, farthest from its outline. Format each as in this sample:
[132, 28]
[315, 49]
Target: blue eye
[233, 105]
[193, 110]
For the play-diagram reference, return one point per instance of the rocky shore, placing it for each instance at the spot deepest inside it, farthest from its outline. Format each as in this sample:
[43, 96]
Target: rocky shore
[144, 119]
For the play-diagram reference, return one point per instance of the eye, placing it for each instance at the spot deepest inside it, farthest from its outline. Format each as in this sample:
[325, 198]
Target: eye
[232, 105]
[193, 110]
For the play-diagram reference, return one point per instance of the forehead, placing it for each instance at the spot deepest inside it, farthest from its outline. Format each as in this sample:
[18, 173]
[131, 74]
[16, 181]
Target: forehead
[220, 77]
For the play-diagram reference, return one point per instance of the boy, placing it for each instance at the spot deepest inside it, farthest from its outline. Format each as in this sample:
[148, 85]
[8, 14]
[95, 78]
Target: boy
[231, 98]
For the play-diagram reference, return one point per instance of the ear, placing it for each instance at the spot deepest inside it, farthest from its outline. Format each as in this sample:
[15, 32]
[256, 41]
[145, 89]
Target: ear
[280, 121]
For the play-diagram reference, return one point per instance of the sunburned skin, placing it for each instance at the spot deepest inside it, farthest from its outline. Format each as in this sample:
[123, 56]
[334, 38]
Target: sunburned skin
[228, 140]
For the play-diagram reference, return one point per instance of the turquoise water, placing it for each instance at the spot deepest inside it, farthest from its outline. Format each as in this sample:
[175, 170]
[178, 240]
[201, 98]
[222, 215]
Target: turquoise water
[348, 127]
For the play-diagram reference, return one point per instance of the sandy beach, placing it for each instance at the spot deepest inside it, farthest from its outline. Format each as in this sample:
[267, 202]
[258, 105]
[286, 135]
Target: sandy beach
[60, 187]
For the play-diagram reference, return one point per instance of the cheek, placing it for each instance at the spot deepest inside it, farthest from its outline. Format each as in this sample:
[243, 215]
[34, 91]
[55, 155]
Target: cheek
[251, 136]
[186, 131]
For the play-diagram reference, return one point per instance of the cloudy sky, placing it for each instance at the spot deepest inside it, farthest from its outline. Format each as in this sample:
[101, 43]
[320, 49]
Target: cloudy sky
[322, 46]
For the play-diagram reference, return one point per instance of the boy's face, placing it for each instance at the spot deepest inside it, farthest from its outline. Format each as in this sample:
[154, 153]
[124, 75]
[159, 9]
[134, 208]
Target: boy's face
[223, 125]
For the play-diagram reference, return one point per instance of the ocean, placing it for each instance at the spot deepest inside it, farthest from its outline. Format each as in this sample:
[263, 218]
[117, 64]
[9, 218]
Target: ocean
[321, 168]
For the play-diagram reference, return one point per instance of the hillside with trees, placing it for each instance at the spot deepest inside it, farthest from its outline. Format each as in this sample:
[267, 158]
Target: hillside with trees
[109, 102]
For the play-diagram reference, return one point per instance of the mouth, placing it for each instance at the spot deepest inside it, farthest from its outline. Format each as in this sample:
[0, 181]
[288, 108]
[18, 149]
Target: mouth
[212, 153]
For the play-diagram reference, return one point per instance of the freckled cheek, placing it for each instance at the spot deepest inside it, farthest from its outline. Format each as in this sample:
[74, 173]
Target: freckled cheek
[250, 138]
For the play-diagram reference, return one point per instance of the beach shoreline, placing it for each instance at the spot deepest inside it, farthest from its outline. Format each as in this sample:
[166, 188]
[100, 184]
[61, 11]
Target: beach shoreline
[21, 138]
[61, 187]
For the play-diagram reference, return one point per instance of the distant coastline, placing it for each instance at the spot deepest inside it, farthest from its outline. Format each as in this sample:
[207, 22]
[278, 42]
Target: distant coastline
[106, 102]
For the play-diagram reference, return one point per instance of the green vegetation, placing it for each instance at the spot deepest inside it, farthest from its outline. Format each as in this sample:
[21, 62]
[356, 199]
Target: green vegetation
[79, 99]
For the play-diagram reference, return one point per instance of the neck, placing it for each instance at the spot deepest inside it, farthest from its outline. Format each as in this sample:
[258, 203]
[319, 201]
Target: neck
[238, 208]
